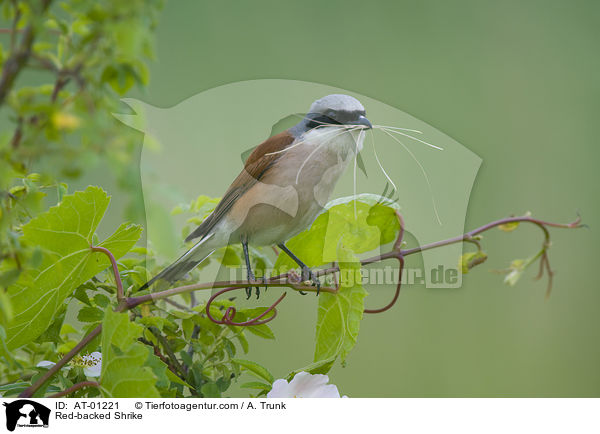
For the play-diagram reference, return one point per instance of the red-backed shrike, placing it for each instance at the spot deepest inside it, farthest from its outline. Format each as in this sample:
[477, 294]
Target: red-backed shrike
[285, 183]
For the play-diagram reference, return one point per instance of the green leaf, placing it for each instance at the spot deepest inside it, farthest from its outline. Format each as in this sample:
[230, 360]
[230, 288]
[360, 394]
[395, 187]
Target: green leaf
[159, 369]
[9, 277]
[67, 329]
[243, 342]
[52, 333]
[101, 300]
[155, 321]
[508, 227]
[90, 314]
[374, 224]
[64, 233]
[255, 369]
[120, 77]
[228, 256]
[6, 311]
[321, 367]
[260, 330]
[175, 379]
[339, 315]
[81, 295]
[210, 390]
[124, 374]
[4, 350]
[13, 389]
[471, 259]
[229, 347]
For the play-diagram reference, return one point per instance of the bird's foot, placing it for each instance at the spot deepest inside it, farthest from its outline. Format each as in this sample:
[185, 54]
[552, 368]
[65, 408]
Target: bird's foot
[309, 276]
[260, 280]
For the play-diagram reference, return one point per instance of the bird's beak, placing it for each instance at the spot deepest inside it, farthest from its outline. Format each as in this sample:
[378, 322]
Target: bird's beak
[364, 122]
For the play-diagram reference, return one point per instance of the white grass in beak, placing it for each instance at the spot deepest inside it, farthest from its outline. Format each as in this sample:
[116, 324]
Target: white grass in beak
[394, 130]
[435, 210]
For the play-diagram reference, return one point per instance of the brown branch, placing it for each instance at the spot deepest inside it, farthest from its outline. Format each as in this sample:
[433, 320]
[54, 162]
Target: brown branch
[131, 302]
[230, 312]
[113, 262]
[14, 64]
[159, 354]
[165, 344]
[13, 30]
[18, 134]
[396, 294]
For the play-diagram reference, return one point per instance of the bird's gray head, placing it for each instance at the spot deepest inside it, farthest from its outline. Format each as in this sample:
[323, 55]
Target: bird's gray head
[331, 104]
[336, 109]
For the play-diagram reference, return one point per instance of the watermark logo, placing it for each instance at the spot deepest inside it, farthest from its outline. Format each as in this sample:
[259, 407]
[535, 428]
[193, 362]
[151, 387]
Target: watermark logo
[25, 413]
[195, 148]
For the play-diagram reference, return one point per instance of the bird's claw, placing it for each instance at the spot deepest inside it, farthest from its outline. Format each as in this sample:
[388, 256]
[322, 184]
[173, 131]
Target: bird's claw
[249, 288]
[309, 276]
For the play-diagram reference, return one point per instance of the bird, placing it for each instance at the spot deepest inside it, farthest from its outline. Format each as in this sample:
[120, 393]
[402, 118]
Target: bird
[284, 185]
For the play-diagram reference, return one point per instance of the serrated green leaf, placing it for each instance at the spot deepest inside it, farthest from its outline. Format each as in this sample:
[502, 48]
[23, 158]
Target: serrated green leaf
[339, 316]
[52, 333]
[81, 294]
[159, 369]
[64, 233]
[90, 314]
[101, 300]
[124, 373]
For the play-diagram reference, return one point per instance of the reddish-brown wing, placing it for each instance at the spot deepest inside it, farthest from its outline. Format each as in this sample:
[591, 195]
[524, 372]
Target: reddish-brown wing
[257, 164]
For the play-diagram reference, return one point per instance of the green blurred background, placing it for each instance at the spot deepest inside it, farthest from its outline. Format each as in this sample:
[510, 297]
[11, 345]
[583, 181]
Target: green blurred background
[518, 84]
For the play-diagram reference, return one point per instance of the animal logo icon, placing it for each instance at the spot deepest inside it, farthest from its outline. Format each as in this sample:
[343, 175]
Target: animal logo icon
[26, 413]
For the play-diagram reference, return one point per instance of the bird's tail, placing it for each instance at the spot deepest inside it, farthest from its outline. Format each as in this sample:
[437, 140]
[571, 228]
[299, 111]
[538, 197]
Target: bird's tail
[183, 265]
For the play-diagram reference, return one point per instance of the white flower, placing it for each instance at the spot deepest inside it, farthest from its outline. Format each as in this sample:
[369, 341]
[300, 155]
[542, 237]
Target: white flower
[91, 364]
[304, 385]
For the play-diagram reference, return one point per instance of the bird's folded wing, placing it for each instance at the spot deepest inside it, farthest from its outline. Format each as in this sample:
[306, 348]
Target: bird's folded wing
[258, 163]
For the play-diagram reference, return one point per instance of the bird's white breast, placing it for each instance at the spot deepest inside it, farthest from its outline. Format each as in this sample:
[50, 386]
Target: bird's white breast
[305, 175]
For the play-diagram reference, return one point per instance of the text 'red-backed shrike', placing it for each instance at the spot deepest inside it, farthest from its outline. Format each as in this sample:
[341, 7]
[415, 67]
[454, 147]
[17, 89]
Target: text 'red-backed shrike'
[285, 183]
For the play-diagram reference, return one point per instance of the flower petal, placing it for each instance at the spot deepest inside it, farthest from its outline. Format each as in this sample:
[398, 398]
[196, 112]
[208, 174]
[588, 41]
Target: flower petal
[304, 385]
